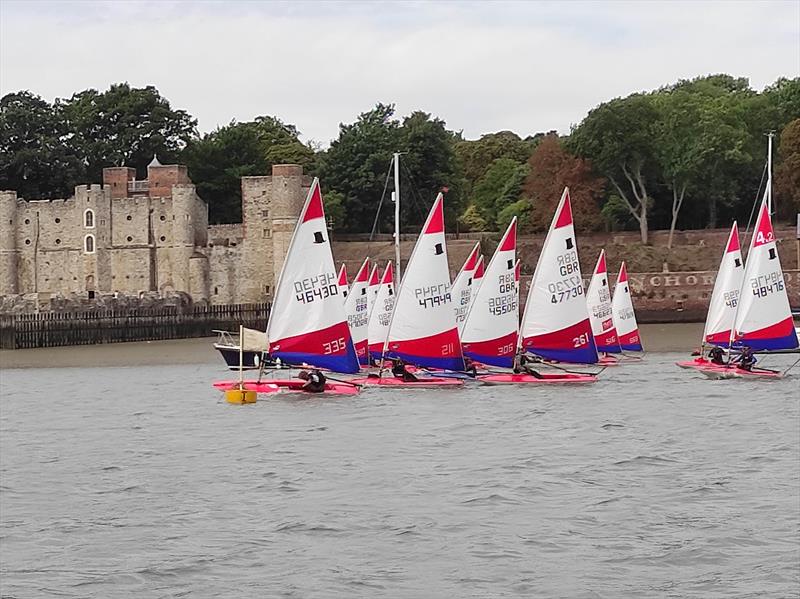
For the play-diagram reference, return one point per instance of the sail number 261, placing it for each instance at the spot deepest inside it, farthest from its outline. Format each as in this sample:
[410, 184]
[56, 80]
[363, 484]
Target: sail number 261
[580, 340]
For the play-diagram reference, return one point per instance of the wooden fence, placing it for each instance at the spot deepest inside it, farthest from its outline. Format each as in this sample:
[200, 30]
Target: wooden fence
[50, 329]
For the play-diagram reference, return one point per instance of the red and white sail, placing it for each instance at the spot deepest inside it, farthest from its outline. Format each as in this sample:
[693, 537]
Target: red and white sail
[374, 283]
[490, 332]
[344, 286]
[381, 314]
[763, 317]
[423, 329]
[307, 322]
[556, 321]
[461, 290]
[598, 301]
[725, 297]
[357, 309]
[477, 278]
[624, 316]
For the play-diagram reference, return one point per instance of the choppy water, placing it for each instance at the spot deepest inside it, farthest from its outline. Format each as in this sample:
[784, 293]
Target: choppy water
[138, 482]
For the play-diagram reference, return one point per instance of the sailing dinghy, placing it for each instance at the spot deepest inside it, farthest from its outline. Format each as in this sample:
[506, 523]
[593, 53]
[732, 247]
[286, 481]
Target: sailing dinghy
[724, 299]
[374, 283]
[381, 314]
[624, 314]
[307, 324]
[356, 308]
[491, 334]
[490, 331]
[598, 301]
[422, 331]
[763, 319]
[556, 324]
[461, 290]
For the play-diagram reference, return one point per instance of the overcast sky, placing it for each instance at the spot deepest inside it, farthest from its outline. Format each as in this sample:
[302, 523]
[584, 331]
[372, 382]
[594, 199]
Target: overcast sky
[482, 67]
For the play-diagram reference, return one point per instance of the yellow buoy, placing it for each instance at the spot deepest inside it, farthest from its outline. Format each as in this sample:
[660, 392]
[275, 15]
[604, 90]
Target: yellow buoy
[240, 396]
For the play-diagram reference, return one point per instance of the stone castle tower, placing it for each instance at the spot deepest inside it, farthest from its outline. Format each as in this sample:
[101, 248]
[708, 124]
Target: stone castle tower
[133, 236]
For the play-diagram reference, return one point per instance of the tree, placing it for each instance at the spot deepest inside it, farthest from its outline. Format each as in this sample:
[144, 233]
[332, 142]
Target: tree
[356, 164]
[430, 164]
[499, 187]
[551, 168]
[476, 156]
[35, 159]
[699, 139]
[124, 126]
[219, 160]
[786, 189]
[618, 137]
[472, 220]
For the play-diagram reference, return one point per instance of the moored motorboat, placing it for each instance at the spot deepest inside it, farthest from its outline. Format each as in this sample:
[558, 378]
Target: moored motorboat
[254, 346]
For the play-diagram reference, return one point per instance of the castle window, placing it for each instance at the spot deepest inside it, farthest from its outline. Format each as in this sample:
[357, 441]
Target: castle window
[27, 242]
[58, 220]
[162, 238]
[58, 242]
[267, 233]
[129, 238]
[266, 289]
[265, 213]
[216, 290]
[129, 217]
[27, 221]
[88, 244]
[163, 217]
[88, 219]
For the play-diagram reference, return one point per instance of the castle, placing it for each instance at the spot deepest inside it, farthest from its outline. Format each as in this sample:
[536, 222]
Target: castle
[132, 237]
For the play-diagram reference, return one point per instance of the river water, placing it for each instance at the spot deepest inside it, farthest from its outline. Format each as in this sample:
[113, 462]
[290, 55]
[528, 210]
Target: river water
[138, 481]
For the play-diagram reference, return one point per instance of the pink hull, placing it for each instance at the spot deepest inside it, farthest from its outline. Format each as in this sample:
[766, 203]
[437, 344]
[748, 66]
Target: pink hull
[513, 379]
[422, 383]
[716, 371]
[286, 385]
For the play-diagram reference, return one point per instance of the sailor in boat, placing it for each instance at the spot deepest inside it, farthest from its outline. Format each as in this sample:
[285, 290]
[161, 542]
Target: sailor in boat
[747, 359]
[524, 364]
[469, 367]
[314, 381]
[717, 356]
[399, 371]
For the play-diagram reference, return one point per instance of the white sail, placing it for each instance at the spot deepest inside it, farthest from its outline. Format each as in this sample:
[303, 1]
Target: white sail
[381, 314]
[423, 329]
[461, 291]
[598, 301]
[489, 335]
[725, 297]
[307, 323]
[556, 321]
[357, 309]
[763, 317]
[624, 315]
[344, 287]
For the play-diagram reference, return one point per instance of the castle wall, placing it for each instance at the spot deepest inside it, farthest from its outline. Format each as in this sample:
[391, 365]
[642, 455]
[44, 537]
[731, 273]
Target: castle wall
[225, 268]
[8, 242]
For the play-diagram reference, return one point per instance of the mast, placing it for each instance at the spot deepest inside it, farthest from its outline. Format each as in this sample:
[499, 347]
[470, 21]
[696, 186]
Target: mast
[396, 200]
[770, 135]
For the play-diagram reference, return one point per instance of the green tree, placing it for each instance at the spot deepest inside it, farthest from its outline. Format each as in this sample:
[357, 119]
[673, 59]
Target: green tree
[618, 137]
[476, 156]
[35, 159]
[472, 220]
[219, 160]
[430, 165]
[786, 190]
[356, 164]
[124, 125]
[499, 187]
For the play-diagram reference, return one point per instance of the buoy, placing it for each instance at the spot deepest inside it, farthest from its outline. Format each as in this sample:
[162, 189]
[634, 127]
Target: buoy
[240, 396]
